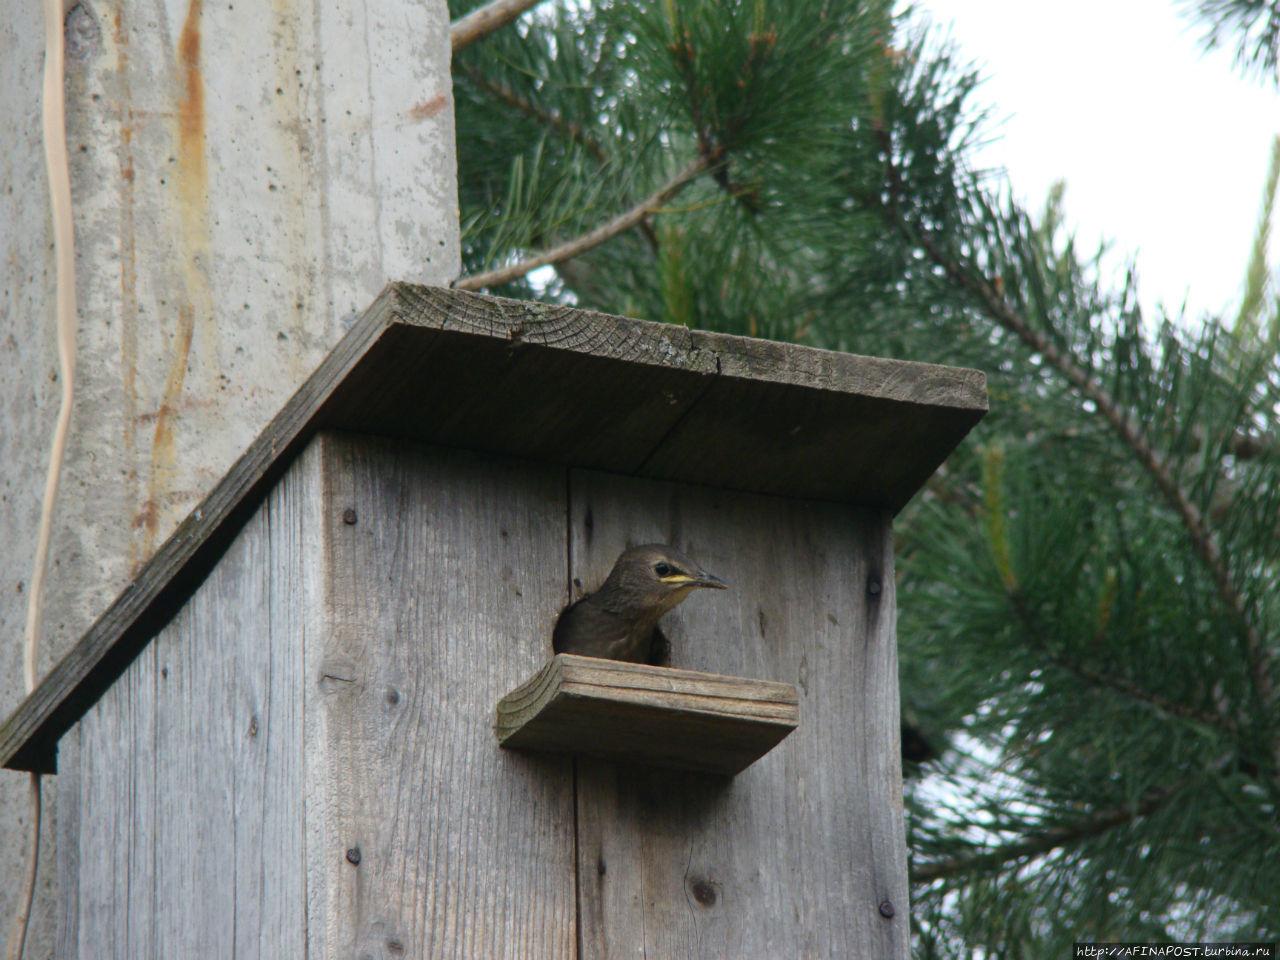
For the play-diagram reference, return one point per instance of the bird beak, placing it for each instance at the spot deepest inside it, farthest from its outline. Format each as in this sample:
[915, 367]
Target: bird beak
[704, 579]
[700, 579]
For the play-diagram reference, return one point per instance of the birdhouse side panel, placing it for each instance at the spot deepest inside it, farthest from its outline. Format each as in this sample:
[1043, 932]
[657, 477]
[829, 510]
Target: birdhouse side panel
[181, 792]
[802, 854]
[445, 571]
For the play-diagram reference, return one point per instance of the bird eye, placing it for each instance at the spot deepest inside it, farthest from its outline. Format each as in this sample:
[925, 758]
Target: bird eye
[662, 568]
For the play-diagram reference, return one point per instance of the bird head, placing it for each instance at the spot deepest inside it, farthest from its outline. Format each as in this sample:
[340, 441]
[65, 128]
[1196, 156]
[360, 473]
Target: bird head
[653, 578]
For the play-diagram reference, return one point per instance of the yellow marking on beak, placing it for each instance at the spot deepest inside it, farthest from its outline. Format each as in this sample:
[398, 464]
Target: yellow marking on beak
[683, 579]
[678, 578]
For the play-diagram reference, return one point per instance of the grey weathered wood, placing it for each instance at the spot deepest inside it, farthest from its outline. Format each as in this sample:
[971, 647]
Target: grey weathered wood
[631, 396]
[636, 713]
[302, 762]
[442, 593]
[793, 858]
[67, 806]
[328, 688]
[185, 780]
[819, 424]
[554, 384]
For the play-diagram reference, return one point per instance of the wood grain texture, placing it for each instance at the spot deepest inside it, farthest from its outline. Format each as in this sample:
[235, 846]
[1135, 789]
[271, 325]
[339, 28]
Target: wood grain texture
[636, 713]
[426, 839]
[555, 384]
[67, 805]
[184, 795]
[793, 857]
[631, 396]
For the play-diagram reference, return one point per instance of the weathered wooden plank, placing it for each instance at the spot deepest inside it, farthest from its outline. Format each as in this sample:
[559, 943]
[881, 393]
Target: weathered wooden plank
[506, 394]
[794, 856]
[635, 713]
[276, 704]
[556, 384]
[823, 425]
[67, 805]
[192, 885]
[632, 396]
[426, 839]
[188, 771]
[114, 842]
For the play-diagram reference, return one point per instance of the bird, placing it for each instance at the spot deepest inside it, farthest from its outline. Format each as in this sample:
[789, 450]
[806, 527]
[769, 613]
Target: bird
[619, 621]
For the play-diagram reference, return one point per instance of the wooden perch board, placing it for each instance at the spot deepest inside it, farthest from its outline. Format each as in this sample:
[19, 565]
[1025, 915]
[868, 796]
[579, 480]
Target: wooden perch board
[657, 716]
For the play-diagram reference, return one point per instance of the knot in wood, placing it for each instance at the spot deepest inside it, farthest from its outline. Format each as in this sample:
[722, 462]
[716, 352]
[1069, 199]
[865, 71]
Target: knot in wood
[703, 891]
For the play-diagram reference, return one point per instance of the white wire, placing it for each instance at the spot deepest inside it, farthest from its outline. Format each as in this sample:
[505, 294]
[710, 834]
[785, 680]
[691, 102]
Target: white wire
[57, 169]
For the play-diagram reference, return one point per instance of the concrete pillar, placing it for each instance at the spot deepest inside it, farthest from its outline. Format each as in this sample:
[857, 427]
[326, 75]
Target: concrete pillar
[246, 176]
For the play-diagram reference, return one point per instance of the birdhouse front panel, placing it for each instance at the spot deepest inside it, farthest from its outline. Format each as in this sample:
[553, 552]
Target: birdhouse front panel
[280, 739]
[305, 754]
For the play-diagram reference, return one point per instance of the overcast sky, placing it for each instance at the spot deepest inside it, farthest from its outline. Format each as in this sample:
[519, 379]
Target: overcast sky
[1164, 149]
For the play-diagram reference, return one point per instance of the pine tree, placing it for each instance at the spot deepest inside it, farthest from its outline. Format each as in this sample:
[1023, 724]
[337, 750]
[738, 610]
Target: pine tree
[1251, 26]
[1089, 602]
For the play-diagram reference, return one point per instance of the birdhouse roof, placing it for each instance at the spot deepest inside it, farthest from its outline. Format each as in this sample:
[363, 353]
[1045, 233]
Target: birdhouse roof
[555, 384]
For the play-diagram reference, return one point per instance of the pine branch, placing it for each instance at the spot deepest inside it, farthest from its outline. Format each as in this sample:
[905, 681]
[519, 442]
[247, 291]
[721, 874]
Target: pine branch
[1242, 446]
[602, 234]
[1046, 841]
[479, 23]
[1031, 624]
[1202, 538]
[527, 108]
[955, 492]
[553, 121]
[1114, 682]
[1129, 688]
[709, 146]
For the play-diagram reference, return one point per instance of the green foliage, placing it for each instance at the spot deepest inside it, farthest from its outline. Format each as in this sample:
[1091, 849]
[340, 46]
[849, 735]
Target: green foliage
[1254, 305]
[1251, 26]
[1088, 587]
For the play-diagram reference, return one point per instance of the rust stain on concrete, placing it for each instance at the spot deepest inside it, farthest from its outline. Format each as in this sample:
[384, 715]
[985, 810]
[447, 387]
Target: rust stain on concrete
[164, 445]
[189, 403]
[191, 108]
[192, 180]
[425, 111]
[149, 512]
[128, 273]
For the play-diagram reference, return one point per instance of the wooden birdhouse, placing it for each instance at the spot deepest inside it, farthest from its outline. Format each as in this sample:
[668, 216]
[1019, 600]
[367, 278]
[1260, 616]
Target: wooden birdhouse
[284, 739]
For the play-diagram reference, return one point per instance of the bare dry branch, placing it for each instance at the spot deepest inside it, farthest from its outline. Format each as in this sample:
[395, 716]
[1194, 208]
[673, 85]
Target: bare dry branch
[580, 245]
[553, 121]
[481, 22]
